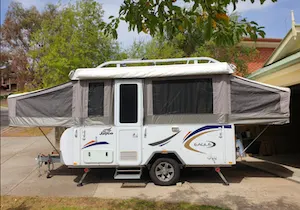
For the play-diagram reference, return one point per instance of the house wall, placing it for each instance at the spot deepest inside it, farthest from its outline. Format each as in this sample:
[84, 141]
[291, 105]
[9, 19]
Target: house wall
[264, 46]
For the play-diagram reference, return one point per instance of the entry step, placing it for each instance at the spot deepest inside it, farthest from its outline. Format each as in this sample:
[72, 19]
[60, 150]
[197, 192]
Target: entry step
[128, 173]
[128, 176]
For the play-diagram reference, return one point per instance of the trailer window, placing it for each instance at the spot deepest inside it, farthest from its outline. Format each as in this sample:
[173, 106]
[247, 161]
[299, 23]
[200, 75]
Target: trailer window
[128, 103]
[95, 101]
[187, 96]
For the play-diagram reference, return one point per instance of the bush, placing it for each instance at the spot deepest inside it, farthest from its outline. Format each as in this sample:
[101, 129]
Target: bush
[3, 97]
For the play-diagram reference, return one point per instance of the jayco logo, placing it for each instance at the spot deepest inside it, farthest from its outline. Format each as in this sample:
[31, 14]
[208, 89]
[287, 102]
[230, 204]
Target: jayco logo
[207, 144]
[106, 132]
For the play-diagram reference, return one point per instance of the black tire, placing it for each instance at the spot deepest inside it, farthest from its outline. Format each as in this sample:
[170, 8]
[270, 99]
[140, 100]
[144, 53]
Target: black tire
[176, 174]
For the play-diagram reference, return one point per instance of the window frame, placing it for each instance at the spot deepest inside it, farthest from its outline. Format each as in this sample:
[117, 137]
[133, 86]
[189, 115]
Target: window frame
[140, 98]
[88, 91]
[121, 106]
[183, 78]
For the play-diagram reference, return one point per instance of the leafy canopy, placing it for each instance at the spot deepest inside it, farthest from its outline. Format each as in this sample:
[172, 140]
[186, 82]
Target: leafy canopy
[16, 31]
[166, 16]
[159, 47]
[70, 38]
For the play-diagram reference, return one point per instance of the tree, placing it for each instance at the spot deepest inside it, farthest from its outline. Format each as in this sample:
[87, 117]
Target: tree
[16, 31]
[194, 44]
[165, 16]
[72, 39]
[238, 55]
[157, 48]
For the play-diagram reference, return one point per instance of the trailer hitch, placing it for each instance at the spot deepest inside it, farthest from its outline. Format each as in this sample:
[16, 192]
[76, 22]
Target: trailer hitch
[48, 160]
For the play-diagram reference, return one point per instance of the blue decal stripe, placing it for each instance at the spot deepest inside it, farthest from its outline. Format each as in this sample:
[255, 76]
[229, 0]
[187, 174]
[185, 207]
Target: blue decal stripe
[202, 129]
[164, 144]
[205, 128]
[97, 143]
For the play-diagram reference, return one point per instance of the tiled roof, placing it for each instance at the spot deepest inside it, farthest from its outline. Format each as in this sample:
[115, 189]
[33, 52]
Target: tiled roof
[263, 39]
[259, 61]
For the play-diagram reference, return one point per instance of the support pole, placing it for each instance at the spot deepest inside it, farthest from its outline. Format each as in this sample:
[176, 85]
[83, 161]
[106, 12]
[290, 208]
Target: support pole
[86, 171]
[49, 140]
[255, 139]
[218, 170]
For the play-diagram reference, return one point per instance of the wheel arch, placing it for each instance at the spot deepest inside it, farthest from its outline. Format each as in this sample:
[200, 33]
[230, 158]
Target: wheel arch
[171, 154]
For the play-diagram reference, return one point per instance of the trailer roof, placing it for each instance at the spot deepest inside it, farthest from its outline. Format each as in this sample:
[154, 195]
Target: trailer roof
[151, 71]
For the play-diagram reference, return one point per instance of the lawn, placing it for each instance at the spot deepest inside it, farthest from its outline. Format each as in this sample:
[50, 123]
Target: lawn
[25, 132]
[65, 203]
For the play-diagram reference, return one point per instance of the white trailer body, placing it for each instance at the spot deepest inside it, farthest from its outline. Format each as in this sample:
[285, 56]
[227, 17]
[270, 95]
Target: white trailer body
[195, 145]
[163, 116]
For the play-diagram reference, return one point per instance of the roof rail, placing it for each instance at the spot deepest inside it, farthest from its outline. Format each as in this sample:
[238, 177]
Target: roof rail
[195, 59]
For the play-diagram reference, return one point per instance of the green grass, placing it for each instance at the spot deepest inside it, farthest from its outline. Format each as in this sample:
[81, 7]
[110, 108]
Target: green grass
[66, 203]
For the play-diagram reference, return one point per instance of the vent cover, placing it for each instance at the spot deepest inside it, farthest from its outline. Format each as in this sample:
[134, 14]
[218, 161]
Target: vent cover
[128, 155]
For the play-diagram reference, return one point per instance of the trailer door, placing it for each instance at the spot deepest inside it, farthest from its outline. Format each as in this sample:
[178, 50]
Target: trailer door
[129, 120]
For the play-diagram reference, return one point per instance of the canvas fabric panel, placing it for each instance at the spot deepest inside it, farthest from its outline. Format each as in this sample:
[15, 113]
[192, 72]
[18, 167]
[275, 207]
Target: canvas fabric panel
[106, 117]
[221, 97]
[53, 102]
[41, 121]
[220, 103]
[64, 105]
[47, 107]
[186, 96]
[256, 103]
[181, 119]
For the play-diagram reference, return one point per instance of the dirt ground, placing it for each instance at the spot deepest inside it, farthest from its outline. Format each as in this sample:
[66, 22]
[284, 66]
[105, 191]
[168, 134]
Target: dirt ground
[249, 188]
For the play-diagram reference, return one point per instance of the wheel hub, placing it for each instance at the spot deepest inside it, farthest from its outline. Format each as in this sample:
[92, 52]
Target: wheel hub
[164, 171]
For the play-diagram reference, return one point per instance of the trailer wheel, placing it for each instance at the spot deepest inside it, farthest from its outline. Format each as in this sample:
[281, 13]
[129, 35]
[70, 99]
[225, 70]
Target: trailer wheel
[165, 171]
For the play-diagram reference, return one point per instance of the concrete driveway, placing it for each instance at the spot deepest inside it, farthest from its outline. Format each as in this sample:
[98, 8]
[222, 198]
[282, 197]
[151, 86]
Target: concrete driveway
[249, 189]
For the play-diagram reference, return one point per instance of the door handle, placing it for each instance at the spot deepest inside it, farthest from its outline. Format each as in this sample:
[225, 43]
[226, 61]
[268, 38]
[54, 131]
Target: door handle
[145, 132]
[83, 136]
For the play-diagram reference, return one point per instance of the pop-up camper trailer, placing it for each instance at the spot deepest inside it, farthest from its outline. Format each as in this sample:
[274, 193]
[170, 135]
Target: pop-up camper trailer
[129, 115]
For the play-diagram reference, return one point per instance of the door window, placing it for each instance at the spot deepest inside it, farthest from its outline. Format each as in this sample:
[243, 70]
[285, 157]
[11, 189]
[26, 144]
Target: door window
[128, 103]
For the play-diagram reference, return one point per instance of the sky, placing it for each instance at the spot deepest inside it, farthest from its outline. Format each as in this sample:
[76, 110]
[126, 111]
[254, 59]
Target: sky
[275, 17]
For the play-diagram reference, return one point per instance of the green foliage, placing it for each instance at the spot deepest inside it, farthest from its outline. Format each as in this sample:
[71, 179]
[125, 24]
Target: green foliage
[159, 48]
[43, 47]
[71, 38]
[238, 55]
[166, 17]
[68, 203]
[223, 46]
[155, 49]
[3, 97]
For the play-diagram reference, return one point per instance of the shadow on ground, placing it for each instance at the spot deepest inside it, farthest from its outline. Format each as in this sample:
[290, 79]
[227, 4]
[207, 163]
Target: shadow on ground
[272, 168]
[292, 160]
[234, 174]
